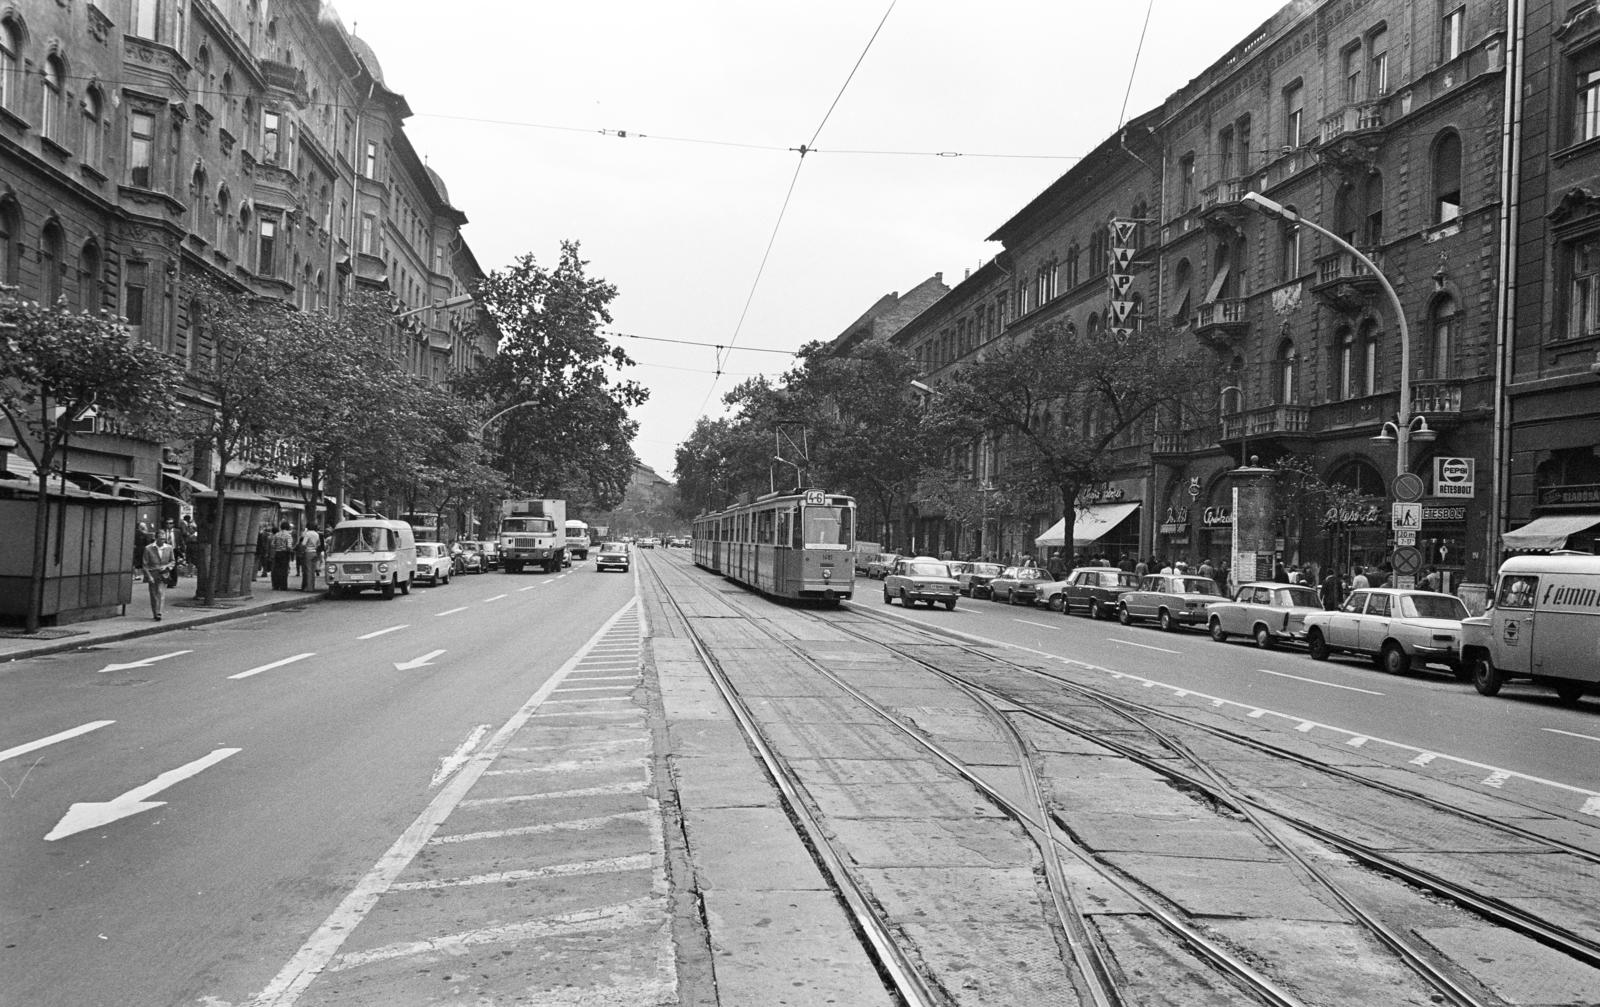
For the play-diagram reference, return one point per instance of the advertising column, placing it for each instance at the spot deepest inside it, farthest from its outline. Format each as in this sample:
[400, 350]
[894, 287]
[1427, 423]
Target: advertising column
[1255, 525]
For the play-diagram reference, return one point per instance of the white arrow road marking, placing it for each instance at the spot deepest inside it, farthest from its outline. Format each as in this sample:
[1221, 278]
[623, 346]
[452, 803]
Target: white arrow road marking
[274, 664]
[418, 661]
[94, 814]
[147, 662]
[380, 632]
[458, 758]
[93, 725]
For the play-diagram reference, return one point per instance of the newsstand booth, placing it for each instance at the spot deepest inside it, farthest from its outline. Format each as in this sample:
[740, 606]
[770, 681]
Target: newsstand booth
[88, 571]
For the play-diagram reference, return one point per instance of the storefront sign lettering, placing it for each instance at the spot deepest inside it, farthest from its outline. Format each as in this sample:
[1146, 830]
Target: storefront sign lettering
[1106, 494]
[1353, 515]
[1217, 517]
[1443, 514]
[1567, 496]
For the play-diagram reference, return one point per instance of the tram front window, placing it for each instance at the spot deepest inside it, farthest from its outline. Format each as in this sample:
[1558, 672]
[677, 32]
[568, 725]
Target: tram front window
[827, 526]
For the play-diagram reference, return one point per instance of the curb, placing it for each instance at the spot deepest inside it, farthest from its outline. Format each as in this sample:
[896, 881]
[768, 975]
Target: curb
[76, 643]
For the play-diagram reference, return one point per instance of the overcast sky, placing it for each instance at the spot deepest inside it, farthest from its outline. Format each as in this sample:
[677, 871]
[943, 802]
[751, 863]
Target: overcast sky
[518, 104]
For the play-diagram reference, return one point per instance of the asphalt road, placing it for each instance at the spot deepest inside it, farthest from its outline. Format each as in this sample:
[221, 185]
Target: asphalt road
[250, 773]
[1544, 749]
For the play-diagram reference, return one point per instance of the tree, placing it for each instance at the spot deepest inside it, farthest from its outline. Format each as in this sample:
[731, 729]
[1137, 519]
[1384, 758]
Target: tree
[575, 430]
[1057, 406]
[57, 366]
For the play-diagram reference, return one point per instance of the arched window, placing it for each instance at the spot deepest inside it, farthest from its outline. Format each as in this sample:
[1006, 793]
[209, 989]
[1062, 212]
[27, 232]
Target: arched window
[1361, 476]
[10, 240]
[1442, 324]
[222, 218]
[1074, 253]
[199, 196]
[53, 108]
[195, 344]
[1140, 213]
[1182, 293]
[1372, 206]
[89, 276]
[93, 126]
[1367, 359]
[10, 63]
[1344, 365]
[52, 261]
[241, 239]
[1092, 329]
[1447, 177]
[1287, 363]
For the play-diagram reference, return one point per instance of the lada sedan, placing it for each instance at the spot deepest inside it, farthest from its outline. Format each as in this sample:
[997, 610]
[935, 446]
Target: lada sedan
[1018, 585]
[921, 579]
[612, 556]
[1267, 612]
[975, 579]
[1096, 590]
[1394, 627]
[1171, 599]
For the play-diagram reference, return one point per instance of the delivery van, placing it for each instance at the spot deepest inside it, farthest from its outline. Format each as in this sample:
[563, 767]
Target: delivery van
[1542, 623]
[372, 553]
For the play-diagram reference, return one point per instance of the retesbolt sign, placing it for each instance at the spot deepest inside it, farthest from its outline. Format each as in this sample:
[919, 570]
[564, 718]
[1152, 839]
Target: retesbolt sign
[1454, 477]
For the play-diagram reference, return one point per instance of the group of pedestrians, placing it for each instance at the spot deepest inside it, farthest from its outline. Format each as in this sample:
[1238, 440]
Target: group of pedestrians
[279, 549]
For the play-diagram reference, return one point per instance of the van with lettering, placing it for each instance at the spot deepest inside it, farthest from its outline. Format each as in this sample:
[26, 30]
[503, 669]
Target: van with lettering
[1542, 623]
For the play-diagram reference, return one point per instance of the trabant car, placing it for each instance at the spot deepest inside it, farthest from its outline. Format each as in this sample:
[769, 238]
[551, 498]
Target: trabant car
[1173, 600]
[1543, 623]
[1018, 585]
[1265, 611]
[975, 579]
[1096, 590]
[433, 563]
[612, 556]
[1395, 627]
[921, 578]
[471, 556]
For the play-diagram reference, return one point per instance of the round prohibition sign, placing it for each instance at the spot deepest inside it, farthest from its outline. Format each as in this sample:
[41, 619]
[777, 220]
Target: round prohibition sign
[1407, 487]
[1407, 561]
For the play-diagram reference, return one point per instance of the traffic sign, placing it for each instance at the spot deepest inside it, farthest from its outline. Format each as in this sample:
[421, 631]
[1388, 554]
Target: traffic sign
[1406, 560]
[1405, 537]
[1407, 487]
[1405, 516]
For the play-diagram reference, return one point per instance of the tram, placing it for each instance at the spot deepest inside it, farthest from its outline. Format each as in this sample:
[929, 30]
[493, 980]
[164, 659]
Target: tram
[797, 545]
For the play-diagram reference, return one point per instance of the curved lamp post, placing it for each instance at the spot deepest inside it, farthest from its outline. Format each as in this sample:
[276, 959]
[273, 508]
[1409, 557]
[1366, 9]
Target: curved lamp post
[1404, 427]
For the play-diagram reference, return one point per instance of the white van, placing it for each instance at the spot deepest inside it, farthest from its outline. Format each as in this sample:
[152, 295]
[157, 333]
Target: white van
[1543, 623]
[371, 553]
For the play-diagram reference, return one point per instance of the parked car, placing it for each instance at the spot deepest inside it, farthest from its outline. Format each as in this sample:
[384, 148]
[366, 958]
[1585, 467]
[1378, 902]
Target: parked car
[649, 543]
[1096, 590]
[1558, 591]
[1265, 611]
[612, 556]
[490, 551]
[975, 579]
[1173, 600]
[1395, 627]
[921, 578]
[433, 563]
[879, 567]
[467, 557]
[1018, 584]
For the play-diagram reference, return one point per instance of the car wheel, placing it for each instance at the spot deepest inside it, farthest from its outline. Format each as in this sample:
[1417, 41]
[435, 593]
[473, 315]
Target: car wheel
[1395, 660]
[1096, 612]
[1486, 678]
[1317, 646]
[388, 590]
[1570, 691]
[1166, 622]
[905, 599]
[1216, 630]
[446, 578]
[1057, 603]
[406, 587]
[1264, 638]
[1124, 616]
[950, 605]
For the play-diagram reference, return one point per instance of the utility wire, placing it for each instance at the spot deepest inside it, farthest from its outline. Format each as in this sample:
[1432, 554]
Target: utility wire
[691, 342]
[1122, 116]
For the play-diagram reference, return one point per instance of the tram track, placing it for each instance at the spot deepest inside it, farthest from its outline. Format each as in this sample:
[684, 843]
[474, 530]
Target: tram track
[1095, 976]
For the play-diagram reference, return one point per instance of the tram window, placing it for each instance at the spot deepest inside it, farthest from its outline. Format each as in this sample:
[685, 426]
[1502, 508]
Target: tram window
[827, 526]
[785, 519]
[764, 520]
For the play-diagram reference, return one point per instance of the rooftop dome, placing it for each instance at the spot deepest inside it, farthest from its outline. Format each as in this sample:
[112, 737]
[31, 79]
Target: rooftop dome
[438, 183]
[366, 55]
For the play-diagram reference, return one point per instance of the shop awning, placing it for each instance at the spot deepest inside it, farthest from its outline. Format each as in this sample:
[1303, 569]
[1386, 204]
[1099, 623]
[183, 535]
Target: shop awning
[121, 485]
[185, 480]
[1544, 534]
[1091, 525]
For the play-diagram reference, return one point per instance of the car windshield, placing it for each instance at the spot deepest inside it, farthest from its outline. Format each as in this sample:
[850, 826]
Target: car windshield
[986, 569]
[613, 547]
[366, 539]
[1432, 606]
[1198, 585]
[427, 549]
[826, 525]
[1296, 597]
[927, 570]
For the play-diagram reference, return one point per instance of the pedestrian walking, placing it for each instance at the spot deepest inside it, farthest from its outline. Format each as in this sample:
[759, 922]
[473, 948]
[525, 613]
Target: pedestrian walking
[158, 559]
[142, 536]
[282, 553]
[1360, 582]
[175, 539]
[1332, 590]
[310, 546]
[264, 551]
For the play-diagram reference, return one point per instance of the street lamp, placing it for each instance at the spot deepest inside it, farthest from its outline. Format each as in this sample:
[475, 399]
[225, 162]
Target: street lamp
[515, 405]
[1404, 426]
[458, 301]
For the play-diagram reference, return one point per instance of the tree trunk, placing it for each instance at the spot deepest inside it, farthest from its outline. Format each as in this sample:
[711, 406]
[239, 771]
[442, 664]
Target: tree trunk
[41, 524]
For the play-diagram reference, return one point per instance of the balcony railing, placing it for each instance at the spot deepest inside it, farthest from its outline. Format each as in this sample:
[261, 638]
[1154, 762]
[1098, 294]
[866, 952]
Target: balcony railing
[1223, 313]
[1341, 265]
[1223, 193]
[1353, 118]
[1265, 422]
[1436, 397]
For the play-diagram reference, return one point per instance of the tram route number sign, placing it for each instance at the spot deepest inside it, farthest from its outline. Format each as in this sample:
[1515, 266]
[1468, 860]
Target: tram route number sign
[1407, 561]
[816, 497]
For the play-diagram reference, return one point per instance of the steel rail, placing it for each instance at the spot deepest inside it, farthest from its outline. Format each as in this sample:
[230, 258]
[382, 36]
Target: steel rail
[895, 964]
[1492, 909]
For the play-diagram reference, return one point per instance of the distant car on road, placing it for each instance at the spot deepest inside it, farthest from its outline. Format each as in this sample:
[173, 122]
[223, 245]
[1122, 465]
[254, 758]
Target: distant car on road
[433, 563]
[468, 558]
[1173, 600]
[649, 543]
[612, 556]
[878, 567]
[1267, 612]
[975, 579]
[1018, 584]
[922, 578]
[1395, 627]
[1096, 590]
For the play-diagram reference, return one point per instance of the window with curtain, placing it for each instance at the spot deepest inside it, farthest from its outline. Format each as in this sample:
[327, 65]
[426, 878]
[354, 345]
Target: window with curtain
[1583, 289]
[1345, 363]
[1294, 108]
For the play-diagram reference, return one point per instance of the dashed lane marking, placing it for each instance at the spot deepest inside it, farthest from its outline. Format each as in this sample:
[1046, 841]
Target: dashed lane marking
[274, 664]
[1143, 646]
[1030, 622]
[1317, 681]
[451, 611]
[380, 632]
[495, 597]
[1570, 734]
[33, 746]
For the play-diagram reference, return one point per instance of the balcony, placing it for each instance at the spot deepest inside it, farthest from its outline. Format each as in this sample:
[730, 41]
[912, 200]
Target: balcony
[1268, 432]
[1438, 400]
[1221, 203]
[1344, 282]
[1351, 136]
[1221, 320]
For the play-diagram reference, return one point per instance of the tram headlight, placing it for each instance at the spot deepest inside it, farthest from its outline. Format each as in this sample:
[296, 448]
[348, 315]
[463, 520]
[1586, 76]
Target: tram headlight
[827, 574]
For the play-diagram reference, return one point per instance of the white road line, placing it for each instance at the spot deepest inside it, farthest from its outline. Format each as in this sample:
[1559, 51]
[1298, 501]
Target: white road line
[589, 699]
[380, 632]
[624, 678]
[575, 825]
[584, 745]
[572, 766]
[530, 587]
[320, 948]
[495, 598]
[1030, 622]
[1317, 681]
[451, 611]
[1570, 734]
[609, 790]
[1146, 646]
[612, 865]
[274, 664]
[598, 688]
[33, 746]
[458, 758]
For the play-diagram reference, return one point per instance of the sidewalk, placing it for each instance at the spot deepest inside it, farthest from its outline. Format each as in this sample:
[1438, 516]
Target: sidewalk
[181, 611]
